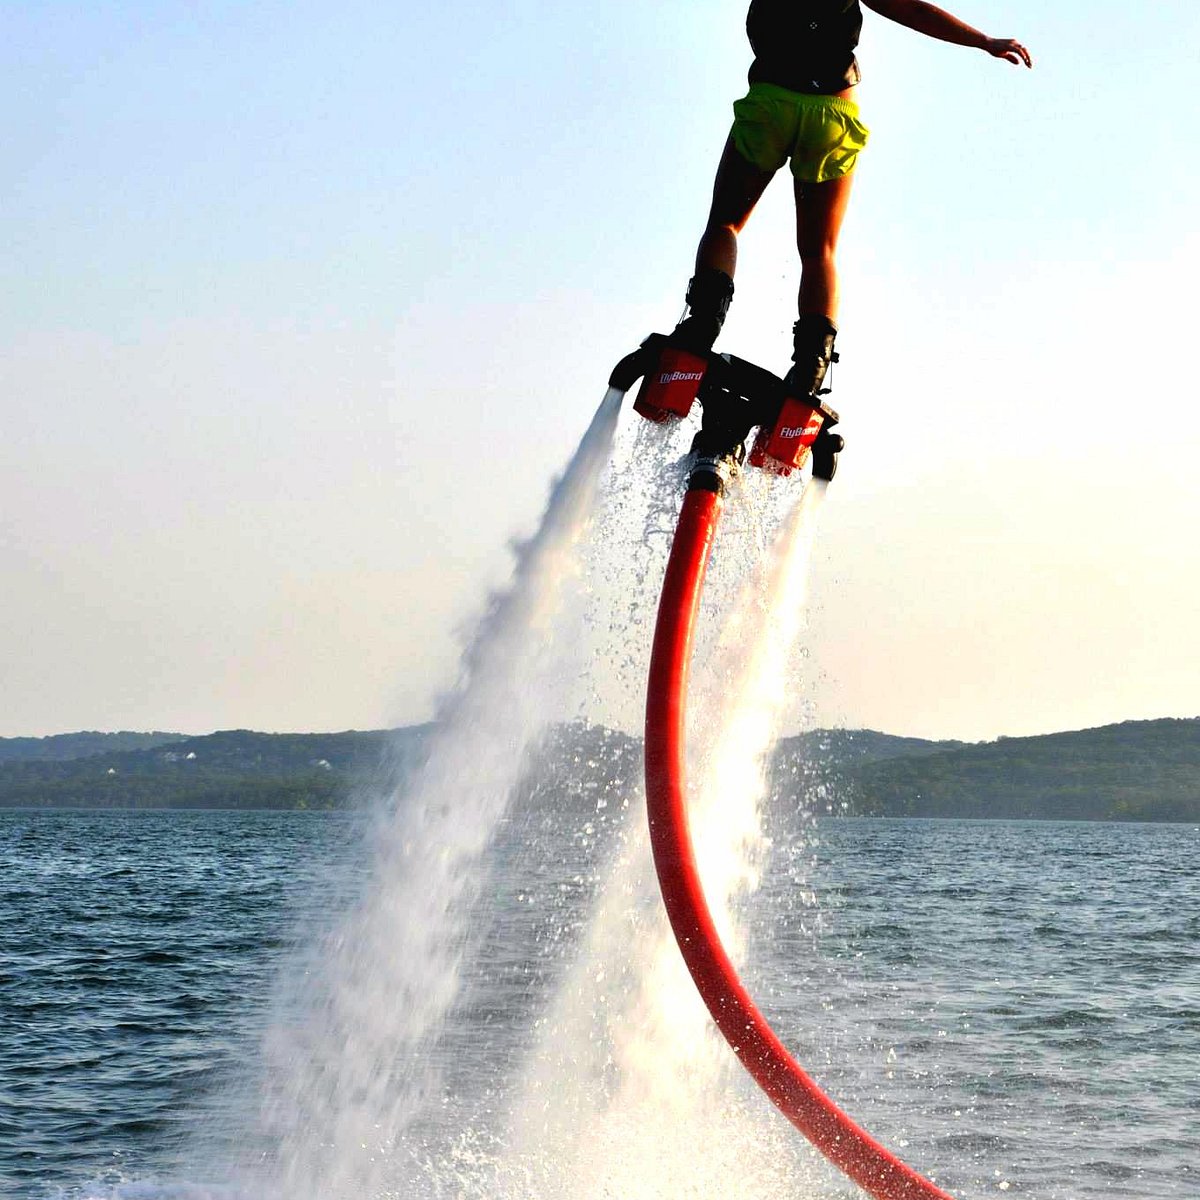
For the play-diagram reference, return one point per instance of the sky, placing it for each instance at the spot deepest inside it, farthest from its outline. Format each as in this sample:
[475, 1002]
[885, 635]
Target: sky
[288, 288]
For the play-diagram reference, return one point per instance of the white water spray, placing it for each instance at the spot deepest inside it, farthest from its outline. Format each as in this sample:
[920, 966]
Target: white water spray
[352, 1057]
[632, 1093]
[751, 666]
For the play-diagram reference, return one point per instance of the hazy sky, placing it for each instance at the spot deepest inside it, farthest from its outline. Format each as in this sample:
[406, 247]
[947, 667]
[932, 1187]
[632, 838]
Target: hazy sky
[288, 287]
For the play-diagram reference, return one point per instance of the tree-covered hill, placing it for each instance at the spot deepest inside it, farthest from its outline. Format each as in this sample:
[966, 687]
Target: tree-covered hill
[231, 769]
[847, 747]
[1134, 771]
[61, 746]
[1138, 770]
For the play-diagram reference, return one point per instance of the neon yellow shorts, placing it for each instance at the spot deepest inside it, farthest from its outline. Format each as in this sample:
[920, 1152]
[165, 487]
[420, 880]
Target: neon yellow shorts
[822, 135]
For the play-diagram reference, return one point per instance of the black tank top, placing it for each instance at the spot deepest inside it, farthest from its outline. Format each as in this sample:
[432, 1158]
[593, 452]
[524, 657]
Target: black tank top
[805, 45]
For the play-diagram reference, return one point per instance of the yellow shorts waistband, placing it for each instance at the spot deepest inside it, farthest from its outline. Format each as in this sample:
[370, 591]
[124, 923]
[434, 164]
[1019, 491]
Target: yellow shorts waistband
[806, 99]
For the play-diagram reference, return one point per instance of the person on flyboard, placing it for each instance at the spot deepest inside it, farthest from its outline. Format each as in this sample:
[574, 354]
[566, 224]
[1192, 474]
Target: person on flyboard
[801, 108]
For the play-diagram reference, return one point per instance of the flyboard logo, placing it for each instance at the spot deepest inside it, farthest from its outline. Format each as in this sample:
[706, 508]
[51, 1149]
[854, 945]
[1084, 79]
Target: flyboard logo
[680, 376]
[793, 431]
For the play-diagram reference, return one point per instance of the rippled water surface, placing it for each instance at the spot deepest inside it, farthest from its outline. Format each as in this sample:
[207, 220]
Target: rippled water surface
[1016, 1005]
[136, 951]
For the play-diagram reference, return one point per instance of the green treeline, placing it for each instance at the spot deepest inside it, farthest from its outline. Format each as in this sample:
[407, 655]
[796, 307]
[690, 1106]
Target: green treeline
[232, 769]
[1134, 771]
[80, 745]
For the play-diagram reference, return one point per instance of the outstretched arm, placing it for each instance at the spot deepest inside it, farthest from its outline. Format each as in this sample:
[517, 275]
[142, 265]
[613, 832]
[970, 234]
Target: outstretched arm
[935, 23]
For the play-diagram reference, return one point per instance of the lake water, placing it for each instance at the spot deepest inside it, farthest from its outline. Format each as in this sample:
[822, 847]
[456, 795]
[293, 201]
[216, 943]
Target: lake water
[1013, 1006]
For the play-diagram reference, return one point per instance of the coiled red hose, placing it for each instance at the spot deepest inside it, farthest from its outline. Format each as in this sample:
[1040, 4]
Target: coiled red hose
[847, 1145]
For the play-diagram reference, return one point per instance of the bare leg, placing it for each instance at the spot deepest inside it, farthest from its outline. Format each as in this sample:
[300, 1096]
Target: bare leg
[820, 208]
[738, 187]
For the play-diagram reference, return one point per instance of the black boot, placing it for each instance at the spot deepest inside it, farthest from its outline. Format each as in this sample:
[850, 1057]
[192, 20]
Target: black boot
[709, 295]
[813, 337]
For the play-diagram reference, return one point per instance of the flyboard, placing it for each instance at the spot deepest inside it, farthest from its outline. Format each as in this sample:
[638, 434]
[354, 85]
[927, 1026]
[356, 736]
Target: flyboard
[736, 397]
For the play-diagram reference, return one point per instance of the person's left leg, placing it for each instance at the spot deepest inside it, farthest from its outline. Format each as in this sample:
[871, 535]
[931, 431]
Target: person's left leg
[738, 188]
[739, 185]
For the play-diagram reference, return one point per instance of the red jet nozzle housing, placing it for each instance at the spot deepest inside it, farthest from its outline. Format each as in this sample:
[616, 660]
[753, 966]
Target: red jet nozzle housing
[671, 387]
[783, 446]
[736, 396]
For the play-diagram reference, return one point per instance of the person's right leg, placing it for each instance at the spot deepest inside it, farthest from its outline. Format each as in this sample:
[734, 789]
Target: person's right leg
[820, 210]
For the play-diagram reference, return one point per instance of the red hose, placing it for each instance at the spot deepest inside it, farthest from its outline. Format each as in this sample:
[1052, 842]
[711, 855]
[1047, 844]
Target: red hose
[797, 1096]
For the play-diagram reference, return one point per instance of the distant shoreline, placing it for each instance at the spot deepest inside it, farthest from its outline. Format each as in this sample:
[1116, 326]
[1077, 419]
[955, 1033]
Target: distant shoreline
[1135, 771]
[349, 812]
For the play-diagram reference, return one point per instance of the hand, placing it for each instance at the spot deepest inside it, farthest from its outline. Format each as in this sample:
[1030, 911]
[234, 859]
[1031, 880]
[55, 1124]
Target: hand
[1008, 49]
